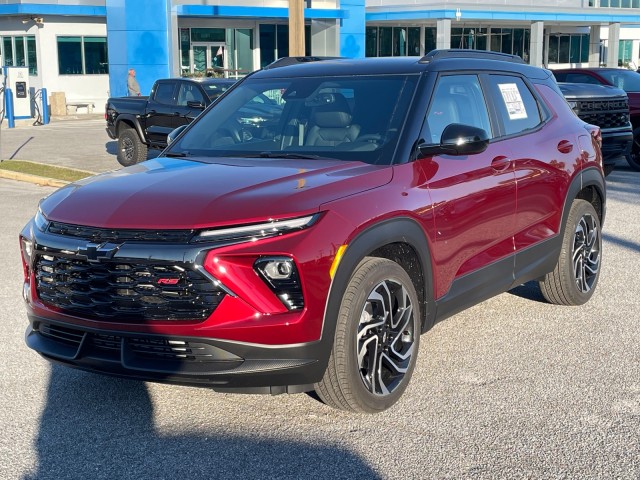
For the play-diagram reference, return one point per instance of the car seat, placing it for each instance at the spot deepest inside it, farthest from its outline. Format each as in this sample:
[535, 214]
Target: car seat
[331, 123]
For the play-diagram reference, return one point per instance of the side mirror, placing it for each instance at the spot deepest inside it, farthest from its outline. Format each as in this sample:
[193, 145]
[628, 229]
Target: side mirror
[195, 105]
[458, 139]
[175, 134]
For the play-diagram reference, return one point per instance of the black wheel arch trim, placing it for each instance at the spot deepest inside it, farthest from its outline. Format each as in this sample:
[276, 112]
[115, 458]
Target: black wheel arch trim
[128, 118]
[396, 230]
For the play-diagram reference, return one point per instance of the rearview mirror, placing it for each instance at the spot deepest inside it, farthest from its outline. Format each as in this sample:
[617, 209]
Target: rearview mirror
[458, 139]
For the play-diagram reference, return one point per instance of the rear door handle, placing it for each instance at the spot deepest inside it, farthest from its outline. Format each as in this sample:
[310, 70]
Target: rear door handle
[565, 146]
[500, 163]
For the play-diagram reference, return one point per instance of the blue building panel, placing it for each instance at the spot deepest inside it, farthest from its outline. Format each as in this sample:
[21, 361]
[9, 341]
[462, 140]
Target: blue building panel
[52, 9]
[138, 35]
[352, 29]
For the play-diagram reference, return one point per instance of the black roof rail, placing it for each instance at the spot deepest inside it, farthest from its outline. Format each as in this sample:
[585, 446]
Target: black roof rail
[284, 61]
[466, 53]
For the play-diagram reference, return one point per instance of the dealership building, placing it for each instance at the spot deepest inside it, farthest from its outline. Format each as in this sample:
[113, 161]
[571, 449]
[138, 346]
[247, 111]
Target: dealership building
[84, 48]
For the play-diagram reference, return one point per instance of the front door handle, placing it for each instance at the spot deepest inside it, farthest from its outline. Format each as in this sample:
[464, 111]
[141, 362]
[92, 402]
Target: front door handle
[565, 146]
[500, 163]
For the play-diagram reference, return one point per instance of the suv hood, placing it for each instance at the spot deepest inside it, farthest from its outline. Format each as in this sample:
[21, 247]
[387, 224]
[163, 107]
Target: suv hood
[586, 91]
[187, 193]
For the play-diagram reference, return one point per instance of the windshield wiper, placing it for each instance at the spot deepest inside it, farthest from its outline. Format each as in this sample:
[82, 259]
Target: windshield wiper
[279, 155]
[177, 154]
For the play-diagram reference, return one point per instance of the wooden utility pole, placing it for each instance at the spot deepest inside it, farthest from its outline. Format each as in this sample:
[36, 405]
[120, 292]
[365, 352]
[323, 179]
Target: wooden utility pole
[296, 28]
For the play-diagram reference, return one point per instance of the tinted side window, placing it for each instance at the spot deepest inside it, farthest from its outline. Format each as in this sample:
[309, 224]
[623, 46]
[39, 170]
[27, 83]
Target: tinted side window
[189, 93]
[516, 106]
[456, 99]
[581, 78]
[164, 93]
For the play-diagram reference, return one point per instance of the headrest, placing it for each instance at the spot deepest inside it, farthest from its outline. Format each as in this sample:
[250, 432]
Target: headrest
[333, 113]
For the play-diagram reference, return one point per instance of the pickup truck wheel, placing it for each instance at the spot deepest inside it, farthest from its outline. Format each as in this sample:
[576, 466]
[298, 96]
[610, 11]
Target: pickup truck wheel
[376, 340]
[130, 149]
[633, 159]
[575, 276]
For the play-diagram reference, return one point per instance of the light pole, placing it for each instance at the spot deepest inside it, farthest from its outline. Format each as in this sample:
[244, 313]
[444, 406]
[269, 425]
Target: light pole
[296, 28]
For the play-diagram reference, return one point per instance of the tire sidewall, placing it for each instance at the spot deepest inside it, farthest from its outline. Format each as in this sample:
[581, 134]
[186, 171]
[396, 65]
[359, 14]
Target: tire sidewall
[579, 209]
[350, 312]
[133, 136]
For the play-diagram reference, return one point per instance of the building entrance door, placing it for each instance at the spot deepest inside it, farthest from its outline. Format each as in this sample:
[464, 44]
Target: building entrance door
[209, 56]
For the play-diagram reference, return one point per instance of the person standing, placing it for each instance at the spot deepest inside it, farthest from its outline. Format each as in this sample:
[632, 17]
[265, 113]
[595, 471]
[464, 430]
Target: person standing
[132, 84]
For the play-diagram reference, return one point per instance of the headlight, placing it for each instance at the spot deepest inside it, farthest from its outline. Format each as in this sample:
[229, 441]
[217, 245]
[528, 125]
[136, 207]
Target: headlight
[252, 233]
[40, 221]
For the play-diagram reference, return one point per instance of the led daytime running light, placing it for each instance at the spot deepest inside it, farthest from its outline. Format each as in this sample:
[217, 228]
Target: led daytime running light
[257, 231]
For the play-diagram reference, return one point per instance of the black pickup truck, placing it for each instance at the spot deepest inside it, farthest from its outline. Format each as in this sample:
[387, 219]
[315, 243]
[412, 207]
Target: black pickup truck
[139, 123]
[608, 108]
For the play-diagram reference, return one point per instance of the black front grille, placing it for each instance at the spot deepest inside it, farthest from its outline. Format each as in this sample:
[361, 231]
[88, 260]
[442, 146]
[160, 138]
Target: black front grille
[604, 113]
[102, 235]
[124, 291]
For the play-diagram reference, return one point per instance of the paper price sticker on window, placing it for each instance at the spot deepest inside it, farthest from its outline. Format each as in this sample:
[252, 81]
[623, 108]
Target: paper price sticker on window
[513, 100]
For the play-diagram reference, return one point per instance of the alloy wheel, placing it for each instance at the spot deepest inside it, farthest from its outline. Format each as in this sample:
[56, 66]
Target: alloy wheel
[586, 253]
[385, 339]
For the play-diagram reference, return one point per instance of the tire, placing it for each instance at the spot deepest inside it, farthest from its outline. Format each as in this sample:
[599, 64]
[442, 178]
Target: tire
[633, 159]
[575, 277]
[130, 149]
[376, 287]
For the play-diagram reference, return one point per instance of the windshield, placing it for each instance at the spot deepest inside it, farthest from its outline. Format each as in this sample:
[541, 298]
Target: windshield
[214, 90]
[345, 118]
[625, 79]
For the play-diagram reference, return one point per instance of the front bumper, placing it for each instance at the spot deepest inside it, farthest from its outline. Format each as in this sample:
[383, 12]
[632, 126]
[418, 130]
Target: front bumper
[615, 145]
[195, 361]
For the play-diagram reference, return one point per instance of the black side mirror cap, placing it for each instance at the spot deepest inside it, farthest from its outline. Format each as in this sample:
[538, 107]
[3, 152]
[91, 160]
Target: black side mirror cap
[458, 139]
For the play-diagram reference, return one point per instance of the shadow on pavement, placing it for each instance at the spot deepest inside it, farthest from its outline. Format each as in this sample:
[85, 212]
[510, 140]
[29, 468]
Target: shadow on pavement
[103, 427]
[529, 291]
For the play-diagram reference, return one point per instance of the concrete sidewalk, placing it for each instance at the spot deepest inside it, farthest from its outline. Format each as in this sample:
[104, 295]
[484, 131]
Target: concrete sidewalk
[78, 141]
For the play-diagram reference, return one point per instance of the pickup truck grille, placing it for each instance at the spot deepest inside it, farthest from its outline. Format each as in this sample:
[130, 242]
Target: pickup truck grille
[604, 113]
[101, 235]
[124, 291]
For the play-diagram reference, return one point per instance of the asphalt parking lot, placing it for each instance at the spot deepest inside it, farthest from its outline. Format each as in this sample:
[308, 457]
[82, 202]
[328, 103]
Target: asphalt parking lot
[512, 388]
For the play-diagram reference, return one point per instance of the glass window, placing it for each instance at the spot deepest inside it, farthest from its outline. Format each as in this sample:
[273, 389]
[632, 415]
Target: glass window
[399, 42]
[563, 49]
[32, 57]
[430, 35]
[310, 117]
[185, 46]
[385, 42]
[371, 46]
[244, 50]
[507, 40]
[580, 78]
[21, 61]
[70, 55]
[627, 80]
[413, 46]
[7, 44]
[457, 99]
[82, 55]
[208, 35]
[189, 93]
[553, 48]
[164, 93]
[515, 104]
[267, 44]
[95, 55]
[282, 41]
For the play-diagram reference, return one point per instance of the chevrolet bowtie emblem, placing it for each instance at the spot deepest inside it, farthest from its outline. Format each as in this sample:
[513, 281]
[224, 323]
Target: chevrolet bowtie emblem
[96, 252]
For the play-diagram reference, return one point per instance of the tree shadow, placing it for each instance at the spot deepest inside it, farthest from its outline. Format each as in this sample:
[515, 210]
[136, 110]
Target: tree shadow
[103, 427]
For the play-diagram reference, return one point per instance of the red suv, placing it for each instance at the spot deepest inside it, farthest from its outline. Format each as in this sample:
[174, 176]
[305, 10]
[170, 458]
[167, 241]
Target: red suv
[308, 248]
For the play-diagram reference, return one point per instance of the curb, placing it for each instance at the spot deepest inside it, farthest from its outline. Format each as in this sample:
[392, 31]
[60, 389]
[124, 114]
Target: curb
[25, 177]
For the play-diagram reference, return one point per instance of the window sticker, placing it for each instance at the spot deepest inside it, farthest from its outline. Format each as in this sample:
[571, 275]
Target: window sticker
[513, 101]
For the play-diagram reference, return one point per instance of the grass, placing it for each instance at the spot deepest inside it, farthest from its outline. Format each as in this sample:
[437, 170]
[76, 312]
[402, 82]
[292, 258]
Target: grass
[43, 170]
